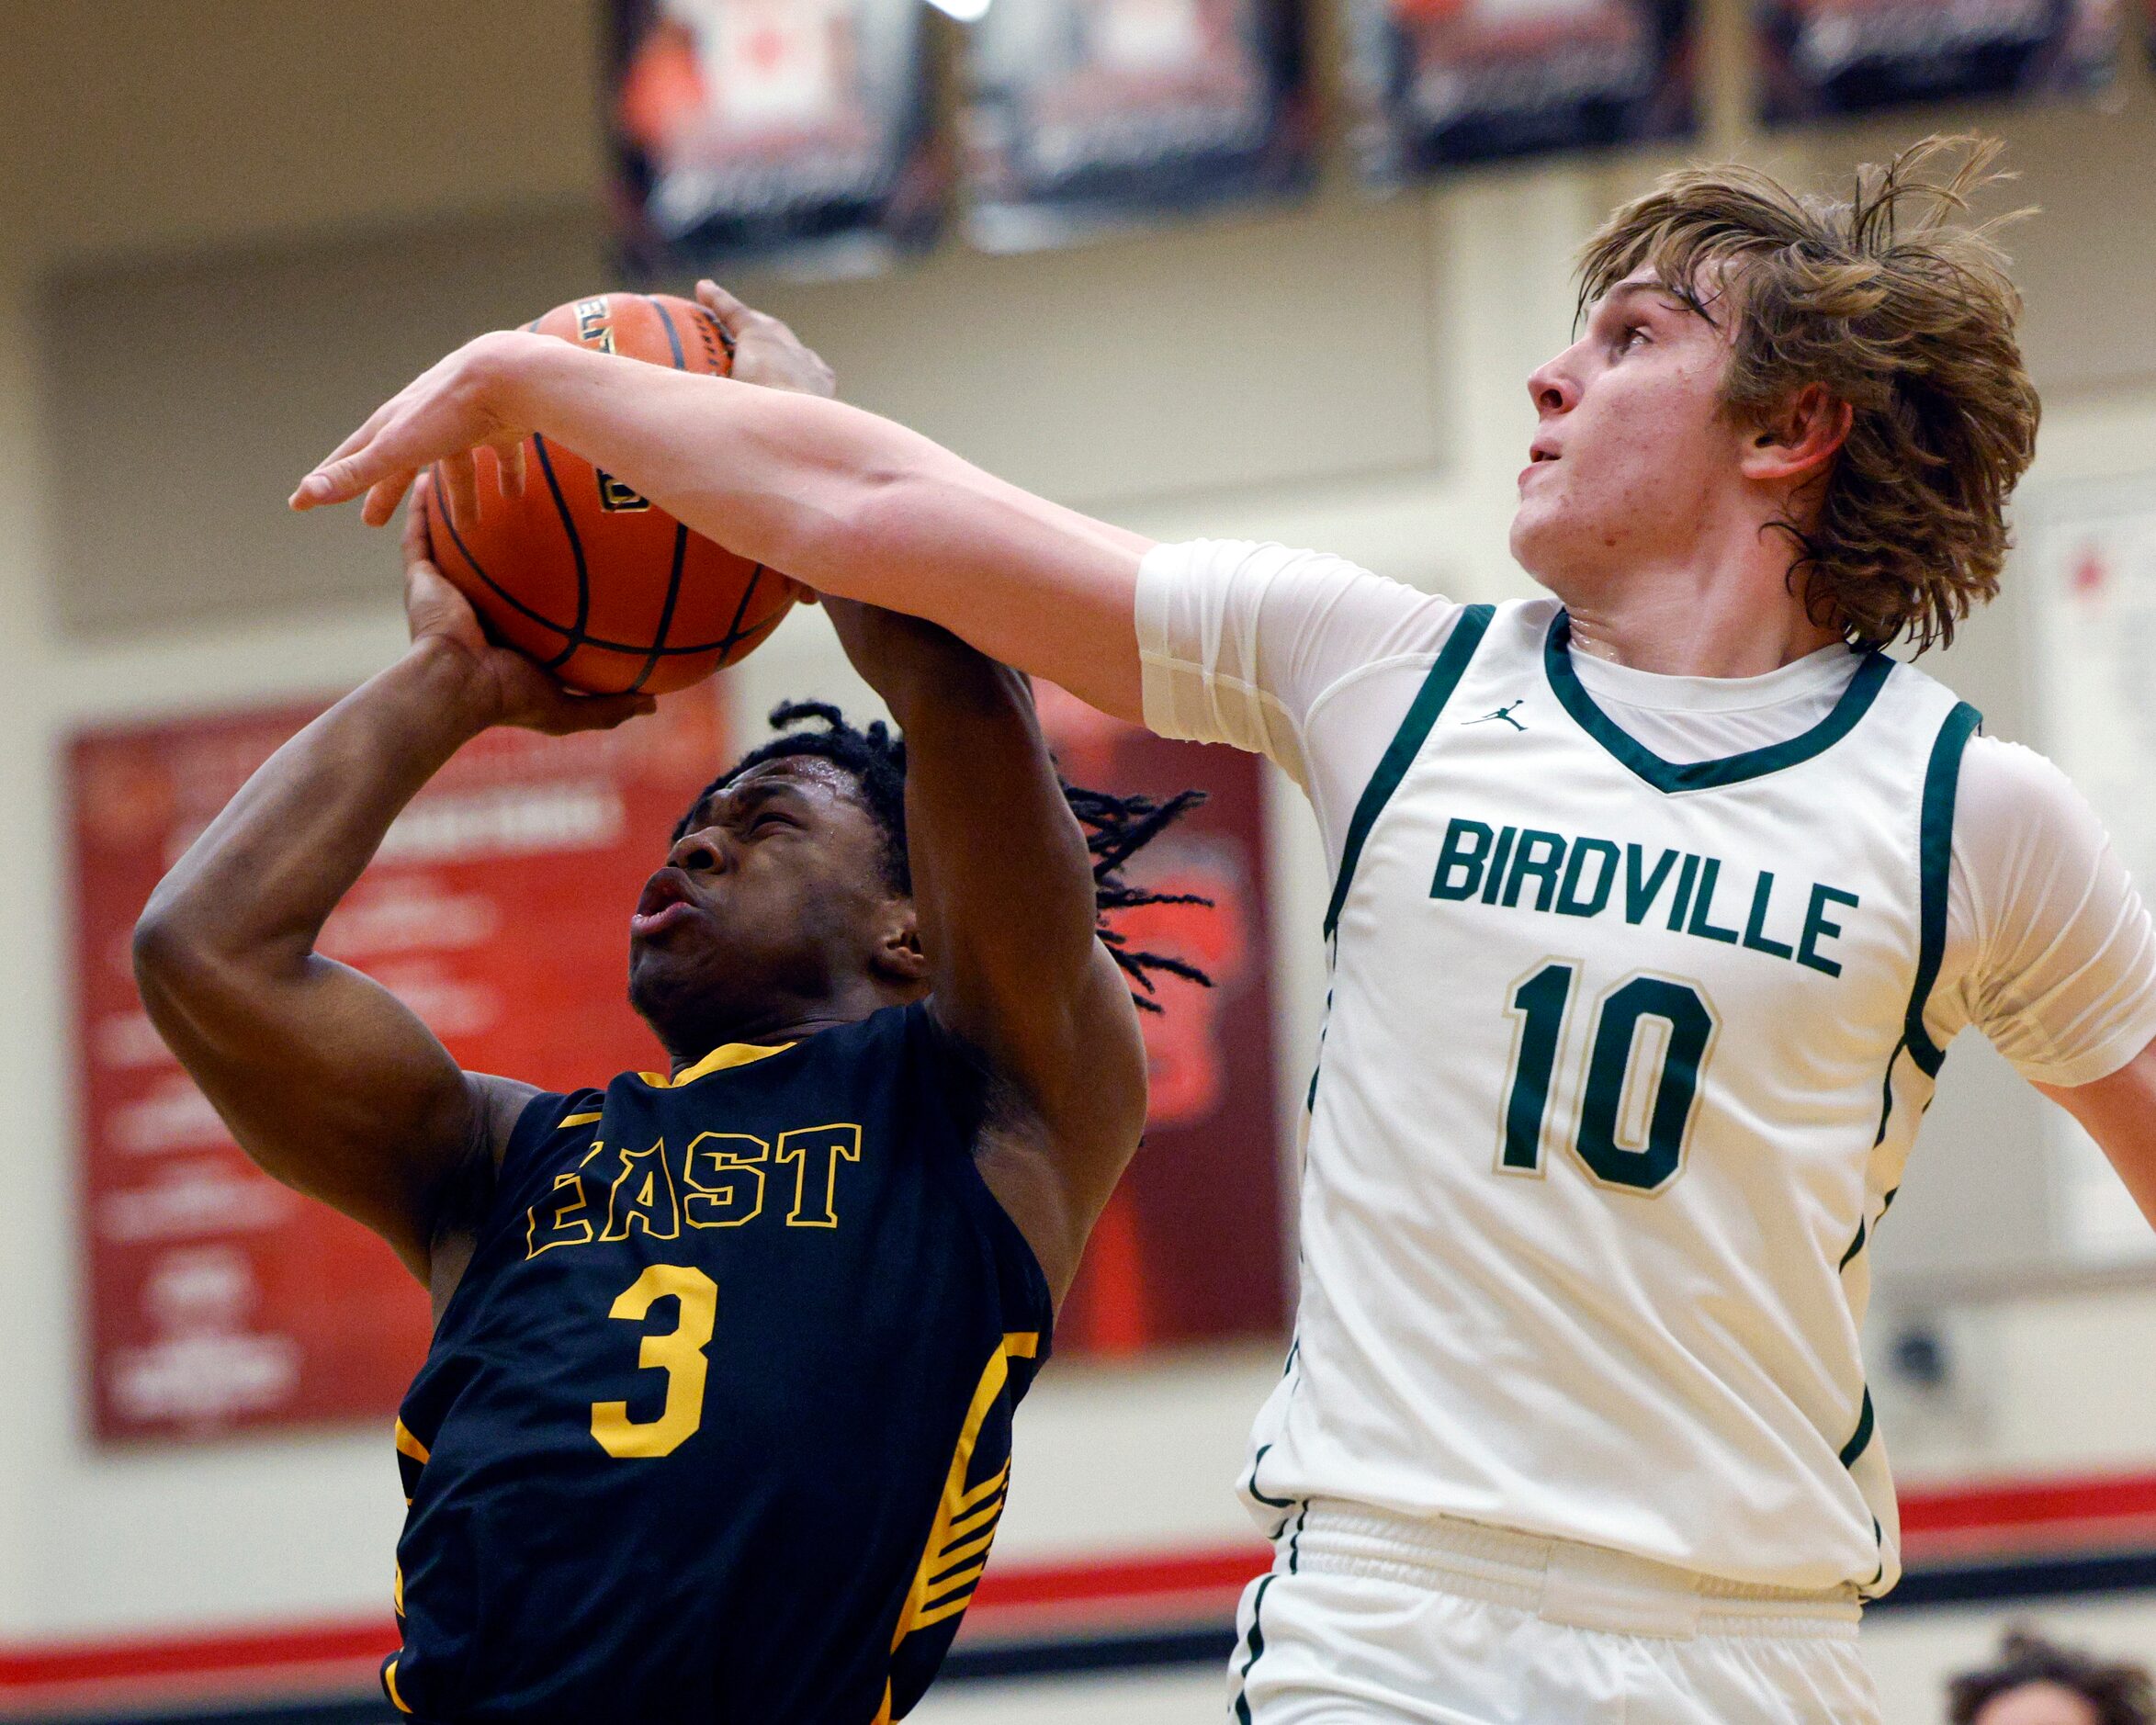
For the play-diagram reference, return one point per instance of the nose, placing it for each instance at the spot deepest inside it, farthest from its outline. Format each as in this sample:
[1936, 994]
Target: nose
[699, 852]
[1554, 386]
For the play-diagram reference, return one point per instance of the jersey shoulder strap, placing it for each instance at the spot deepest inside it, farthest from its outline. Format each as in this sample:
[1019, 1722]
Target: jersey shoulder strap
[1935, 857]
[1468, 630]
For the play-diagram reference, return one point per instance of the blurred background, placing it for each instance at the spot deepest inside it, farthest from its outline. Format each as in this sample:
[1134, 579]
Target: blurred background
[1206, 267]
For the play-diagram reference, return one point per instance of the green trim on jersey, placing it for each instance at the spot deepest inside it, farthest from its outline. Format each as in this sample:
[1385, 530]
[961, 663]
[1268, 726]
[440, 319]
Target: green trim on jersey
[1935, 853]
[1700, 775]
[1860, 1440]
[1468, 630]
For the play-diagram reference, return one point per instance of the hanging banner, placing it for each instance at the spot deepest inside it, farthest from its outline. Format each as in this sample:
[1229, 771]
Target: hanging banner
[1192, 1246]
[1088, 115]
[792, 133]
[497, 909]
[1820, 58]
[1440, 83]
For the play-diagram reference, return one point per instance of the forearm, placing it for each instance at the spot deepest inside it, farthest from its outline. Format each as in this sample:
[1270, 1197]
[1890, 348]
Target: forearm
[852, 505]
[265, 874]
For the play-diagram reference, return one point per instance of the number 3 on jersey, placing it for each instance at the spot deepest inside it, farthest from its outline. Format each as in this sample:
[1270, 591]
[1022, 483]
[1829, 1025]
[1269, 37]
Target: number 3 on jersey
[1635, 1112]
[679, 1352]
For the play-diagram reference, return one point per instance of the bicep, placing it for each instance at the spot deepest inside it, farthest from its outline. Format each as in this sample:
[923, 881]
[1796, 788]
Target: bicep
[1004, 891]
[331, 1085]
[2119, 1112]
[2058, 960]
[1054, 1147]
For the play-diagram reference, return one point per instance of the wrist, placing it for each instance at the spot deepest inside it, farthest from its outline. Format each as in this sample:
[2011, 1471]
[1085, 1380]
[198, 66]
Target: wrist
[452, 692]
[513, 371]
[960, 686]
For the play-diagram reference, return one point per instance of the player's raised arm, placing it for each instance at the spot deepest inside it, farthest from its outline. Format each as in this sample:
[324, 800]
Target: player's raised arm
[1004, 891]
[2119, 1113]
[324, 1077]
[850, 503]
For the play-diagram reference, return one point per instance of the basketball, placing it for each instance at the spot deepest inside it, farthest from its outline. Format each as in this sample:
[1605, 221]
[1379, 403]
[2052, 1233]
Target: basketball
[607, 591]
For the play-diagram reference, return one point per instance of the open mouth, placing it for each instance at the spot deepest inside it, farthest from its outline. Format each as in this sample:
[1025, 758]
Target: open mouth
[1537, 456]
[665, 902]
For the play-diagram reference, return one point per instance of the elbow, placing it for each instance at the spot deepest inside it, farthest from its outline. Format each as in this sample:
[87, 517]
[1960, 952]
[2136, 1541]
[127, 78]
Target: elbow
[164, 952]
[174, 955]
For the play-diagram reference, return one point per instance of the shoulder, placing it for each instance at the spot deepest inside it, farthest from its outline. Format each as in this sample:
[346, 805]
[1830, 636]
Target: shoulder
[1283, 584]
[2009, 790]
[526, 1118]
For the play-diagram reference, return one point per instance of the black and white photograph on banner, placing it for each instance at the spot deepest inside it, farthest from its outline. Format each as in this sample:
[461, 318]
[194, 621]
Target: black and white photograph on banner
[1440, 84]
[1086, 114]
[1820, 58]
[795, 133]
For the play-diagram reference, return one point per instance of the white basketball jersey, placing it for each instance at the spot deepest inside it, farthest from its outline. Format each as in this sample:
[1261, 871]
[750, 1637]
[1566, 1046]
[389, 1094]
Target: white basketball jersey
[1621, 1065]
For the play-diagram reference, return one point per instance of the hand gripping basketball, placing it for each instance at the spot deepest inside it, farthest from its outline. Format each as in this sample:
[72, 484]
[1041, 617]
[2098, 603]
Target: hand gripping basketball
[506, 687]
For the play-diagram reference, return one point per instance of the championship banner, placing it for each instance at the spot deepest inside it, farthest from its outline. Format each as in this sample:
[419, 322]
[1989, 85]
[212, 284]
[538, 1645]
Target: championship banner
[1088, 115]
[1440, 83]
[1192, 1246]
[797, 133]
[497, 909]
[1820, 58]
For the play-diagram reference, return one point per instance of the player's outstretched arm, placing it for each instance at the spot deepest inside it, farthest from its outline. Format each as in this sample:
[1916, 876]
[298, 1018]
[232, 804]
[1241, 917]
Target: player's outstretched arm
[851, 504]
[324, 1077]
[2120, 1113]
[1004, 893]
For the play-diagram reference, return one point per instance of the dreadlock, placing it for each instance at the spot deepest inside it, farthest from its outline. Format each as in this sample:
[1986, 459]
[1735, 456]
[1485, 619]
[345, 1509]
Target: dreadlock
[1116, 828]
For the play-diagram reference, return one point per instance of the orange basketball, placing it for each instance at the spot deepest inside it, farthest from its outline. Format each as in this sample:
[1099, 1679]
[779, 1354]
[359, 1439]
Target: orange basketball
[605, 590]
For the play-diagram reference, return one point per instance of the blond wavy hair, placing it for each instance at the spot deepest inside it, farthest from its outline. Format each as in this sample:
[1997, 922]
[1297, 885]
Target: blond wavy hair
[1895, 308]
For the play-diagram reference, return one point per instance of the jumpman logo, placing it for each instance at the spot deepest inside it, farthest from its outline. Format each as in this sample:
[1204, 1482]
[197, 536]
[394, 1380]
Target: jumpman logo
[1504, 712]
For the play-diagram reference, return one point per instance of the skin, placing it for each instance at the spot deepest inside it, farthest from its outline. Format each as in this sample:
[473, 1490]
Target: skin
[2036, 1704]
[770, 919]
[1646, 507]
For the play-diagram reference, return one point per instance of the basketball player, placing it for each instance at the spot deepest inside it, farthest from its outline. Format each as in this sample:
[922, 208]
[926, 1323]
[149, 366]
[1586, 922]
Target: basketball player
[716, 1421]
[1656, 905]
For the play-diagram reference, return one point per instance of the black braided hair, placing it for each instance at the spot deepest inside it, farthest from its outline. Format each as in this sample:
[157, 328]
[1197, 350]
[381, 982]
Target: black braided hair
[1116, 828]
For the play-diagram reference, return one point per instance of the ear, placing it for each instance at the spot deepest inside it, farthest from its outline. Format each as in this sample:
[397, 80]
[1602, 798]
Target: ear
[898, 957]
[1797, 444]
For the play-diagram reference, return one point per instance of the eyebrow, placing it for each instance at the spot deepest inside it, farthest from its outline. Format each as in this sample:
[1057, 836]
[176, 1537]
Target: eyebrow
[1649, 290]
[746, 796]
[754, 794]
[1675, 296]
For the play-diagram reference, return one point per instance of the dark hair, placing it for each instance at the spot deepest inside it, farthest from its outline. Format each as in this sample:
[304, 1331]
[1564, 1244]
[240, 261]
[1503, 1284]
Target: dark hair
[2120, 1692]
[1116, 828]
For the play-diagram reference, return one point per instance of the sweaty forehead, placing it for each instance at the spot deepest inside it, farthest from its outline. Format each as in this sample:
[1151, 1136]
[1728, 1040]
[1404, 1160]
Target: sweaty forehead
[812, 777]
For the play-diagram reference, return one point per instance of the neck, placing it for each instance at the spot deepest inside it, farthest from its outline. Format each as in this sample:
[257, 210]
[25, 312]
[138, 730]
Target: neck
[1726, 608]
[690, 1040]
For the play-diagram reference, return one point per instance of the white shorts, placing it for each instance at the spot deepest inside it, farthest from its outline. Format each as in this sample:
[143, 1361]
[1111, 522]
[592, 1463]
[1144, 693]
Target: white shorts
[1370, 1620]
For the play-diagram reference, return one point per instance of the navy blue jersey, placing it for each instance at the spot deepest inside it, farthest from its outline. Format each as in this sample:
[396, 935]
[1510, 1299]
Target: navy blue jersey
[717, 1425]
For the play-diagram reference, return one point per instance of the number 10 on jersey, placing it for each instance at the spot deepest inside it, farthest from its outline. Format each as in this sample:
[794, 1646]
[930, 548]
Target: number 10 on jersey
[1648, 1042]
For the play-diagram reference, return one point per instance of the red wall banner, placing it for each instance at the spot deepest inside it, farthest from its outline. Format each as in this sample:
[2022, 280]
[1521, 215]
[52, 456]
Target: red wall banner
[498, 910]
[1190, 1246]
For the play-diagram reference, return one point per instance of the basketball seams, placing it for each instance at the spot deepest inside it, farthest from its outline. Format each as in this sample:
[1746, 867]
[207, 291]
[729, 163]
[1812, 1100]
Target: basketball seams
[751, 622]
[680, 534]
[577, 637]
[441, 514]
